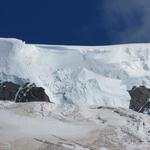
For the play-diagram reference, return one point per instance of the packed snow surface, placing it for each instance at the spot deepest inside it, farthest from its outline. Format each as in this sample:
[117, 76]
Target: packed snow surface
[96, 75]
[47, 126]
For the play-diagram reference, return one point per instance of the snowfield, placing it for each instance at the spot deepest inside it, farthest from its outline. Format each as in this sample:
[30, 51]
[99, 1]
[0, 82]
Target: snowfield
[88, 86]
[45, 126]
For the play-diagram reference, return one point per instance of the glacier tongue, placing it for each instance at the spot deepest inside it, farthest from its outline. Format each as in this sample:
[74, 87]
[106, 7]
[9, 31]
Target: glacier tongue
[98, 75]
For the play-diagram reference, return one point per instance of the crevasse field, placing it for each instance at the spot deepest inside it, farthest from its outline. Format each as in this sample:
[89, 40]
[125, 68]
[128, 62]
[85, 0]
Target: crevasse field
[78, 79]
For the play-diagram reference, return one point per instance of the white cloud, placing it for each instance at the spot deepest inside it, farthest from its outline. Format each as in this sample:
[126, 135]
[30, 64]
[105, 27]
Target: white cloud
[129, 20]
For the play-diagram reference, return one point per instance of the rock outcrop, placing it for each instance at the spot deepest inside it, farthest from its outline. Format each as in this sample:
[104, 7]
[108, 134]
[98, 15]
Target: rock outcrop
[26, 93]
[140, 99]
[29, 92]
[8, 90]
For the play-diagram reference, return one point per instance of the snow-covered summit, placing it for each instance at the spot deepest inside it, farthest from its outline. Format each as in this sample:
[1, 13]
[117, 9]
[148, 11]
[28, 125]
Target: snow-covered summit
[92, 75]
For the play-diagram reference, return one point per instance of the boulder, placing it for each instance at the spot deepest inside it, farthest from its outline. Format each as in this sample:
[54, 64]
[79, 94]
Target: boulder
[29, 93]
[140, 97]
[26, 93]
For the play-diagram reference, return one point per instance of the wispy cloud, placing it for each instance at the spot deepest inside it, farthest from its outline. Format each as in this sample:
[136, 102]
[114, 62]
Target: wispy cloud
[123, 20]
[130, 19]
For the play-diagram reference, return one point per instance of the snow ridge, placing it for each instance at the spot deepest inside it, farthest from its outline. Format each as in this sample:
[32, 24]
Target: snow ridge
[98, 75]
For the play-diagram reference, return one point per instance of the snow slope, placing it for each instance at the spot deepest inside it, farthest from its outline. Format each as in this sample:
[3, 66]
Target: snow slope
[46, 126]
[82, 75]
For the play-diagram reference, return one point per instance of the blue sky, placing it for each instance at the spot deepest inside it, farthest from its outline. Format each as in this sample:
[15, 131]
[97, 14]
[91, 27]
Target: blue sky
[76, 22]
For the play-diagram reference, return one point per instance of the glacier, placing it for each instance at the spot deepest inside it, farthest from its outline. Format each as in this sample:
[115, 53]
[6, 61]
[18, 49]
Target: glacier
[82, 75]
[78, 79]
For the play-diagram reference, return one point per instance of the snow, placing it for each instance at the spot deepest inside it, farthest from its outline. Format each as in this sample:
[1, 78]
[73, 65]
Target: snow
[24, 125]
[69, 127]
[76, 74]
[77, 79]
[98, 75]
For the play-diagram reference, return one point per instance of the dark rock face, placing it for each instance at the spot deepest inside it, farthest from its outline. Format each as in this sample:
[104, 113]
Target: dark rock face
[140, 99]
[29, 93]
[26, 93]
[8, 90]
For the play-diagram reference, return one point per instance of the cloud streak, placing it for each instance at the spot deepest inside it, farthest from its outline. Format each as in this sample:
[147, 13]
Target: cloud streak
[122, 21]
[129, 19]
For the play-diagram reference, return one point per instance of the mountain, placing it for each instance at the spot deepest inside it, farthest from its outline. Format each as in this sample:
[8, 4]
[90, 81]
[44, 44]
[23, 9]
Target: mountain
[99, 75]
[89, 87]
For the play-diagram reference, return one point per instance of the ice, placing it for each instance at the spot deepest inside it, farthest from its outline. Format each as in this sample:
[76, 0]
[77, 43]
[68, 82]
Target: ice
[82, 75]
[77, 79]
